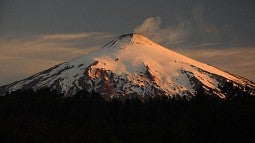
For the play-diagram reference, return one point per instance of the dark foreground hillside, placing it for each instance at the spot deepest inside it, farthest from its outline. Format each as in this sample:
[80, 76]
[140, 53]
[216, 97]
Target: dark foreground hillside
[45, 116]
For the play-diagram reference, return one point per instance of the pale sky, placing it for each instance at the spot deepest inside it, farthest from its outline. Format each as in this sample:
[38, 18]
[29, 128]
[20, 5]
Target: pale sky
[37, 34]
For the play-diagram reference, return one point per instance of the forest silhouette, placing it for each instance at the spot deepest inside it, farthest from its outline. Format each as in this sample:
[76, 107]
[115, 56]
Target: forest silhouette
[47, 116]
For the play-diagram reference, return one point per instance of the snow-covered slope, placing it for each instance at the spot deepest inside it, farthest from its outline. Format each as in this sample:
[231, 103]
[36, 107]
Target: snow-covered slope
[129, 65]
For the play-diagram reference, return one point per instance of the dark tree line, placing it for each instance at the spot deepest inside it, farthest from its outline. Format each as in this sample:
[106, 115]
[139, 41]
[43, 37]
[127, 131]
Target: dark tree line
[47, 116]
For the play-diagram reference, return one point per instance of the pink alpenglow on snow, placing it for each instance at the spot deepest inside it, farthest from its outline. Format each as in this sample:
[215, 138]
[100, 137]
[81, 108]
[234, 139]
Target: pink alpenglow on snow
[130, 65]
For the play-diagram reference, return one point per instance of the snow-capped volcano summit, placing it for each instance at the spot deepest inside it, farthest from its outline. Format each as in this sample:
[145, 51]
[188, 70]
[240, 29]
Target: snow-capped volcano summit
[129, 65]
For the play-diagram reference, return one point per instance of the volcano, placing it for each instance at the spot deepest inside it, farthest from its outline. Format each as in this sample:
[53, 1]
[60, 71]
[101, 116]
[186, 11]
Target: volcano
[130, 65]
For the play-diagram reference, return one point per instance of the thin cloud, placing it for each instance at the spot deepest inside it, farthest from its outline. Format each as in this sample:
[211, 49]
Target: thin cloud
[24, 56]
[75, 36]
[71, 36]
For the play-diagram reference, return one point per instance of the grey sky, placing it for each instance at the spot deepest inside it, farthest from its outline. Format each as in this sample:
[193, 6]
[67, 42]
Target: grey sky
[182, 25]
[55, 16]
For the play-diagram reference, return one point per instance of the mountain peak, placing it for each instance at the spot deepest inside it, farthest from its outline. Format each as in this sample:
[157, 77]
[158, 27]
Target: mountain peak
[131, 38]
[130, 35]
[130, 65]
